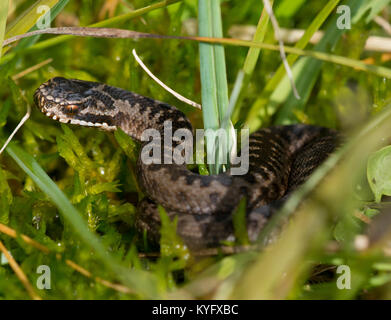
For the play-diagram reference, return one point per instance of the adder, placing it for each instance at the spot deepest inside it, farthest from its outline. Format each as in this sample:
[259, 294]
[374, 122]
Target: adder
[280, 159]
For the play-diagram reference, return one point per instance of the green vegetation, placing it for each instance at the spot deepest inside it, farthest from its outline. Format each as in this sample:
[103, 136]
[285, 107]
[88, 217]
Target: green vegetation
[72, 190]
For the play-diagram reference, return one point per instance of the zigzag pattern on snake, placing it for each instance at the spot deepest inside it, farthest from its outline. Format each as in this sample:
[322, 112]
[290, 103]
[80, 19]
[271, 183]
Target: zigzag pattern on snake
[280, 159]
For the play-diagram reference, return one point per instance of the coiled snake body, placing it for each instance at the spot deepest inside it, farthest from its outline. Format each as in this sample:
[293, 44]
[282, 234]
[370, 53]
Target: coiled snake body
[280, 159]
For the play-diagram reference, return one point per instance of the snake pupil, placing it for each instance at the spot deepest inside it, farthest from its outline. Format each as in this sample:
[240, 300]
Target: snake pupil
[72, 108]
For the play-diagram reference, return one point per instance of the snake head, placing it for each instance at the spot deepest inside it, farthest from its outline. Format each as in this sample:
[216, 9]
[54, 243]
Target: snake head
[73, 101]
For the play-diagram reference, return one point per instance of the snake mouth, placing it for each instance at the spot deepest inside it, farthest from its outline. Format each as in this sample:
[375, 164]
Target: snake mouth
[44, 105]
[52, 109]
[41, 102]
[61, 111]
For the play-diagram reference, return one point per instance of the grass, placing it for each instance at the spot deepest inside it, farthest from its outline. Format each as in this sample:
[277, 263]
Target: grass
[214, 87]
[72, 190]
[3, 16]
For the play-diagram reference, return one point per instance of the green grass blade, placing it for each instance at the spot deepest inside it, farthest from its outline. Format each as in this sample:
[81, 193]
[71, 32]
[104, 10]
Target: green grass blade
[252, 118]
[219, 55]
[136, 279]
[134, 13]
[27, 20]
[214, 88]
[210, 110]
[54, 11]
[372, 9]
[302, 43]
[3, 19]
[105, 23]
[244, 75]
[288, 8]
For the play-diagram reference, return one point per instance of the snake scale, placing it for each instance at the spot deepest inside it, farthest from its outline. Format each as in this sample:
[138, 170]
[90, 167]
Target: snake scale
[280, 159]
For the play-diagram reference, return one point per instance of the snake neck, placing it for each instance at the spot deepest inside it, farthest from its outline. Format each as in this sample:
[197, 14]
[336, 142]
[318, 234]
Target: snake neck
[136, 114]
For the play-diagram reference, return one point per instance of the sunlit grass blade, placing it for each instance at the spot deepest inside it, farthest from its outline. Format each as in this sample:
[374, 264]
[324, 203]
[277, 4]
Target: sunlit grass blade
[244, 75]
[28, 20]
[288, 8]
[302, 43]
[214, 88]
[3, 19]
[136, 279]
[134, 13]
[57, 8]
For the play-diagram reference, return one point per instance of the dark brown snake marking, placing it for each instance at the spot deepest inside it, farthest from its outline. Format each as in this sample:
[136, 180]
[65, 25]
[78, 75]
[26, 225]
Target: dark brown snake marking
[281, 158]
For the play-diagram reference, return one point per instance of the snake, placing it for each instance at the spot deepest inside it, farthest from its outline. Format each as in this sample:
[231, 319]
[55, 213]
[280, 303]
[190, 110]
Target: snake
[280, 159]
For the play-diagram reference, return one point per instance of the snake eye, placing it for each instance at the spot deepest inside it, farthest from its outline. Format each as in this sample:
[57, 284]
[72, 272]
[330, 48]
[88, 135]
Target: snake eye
[71, 108]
